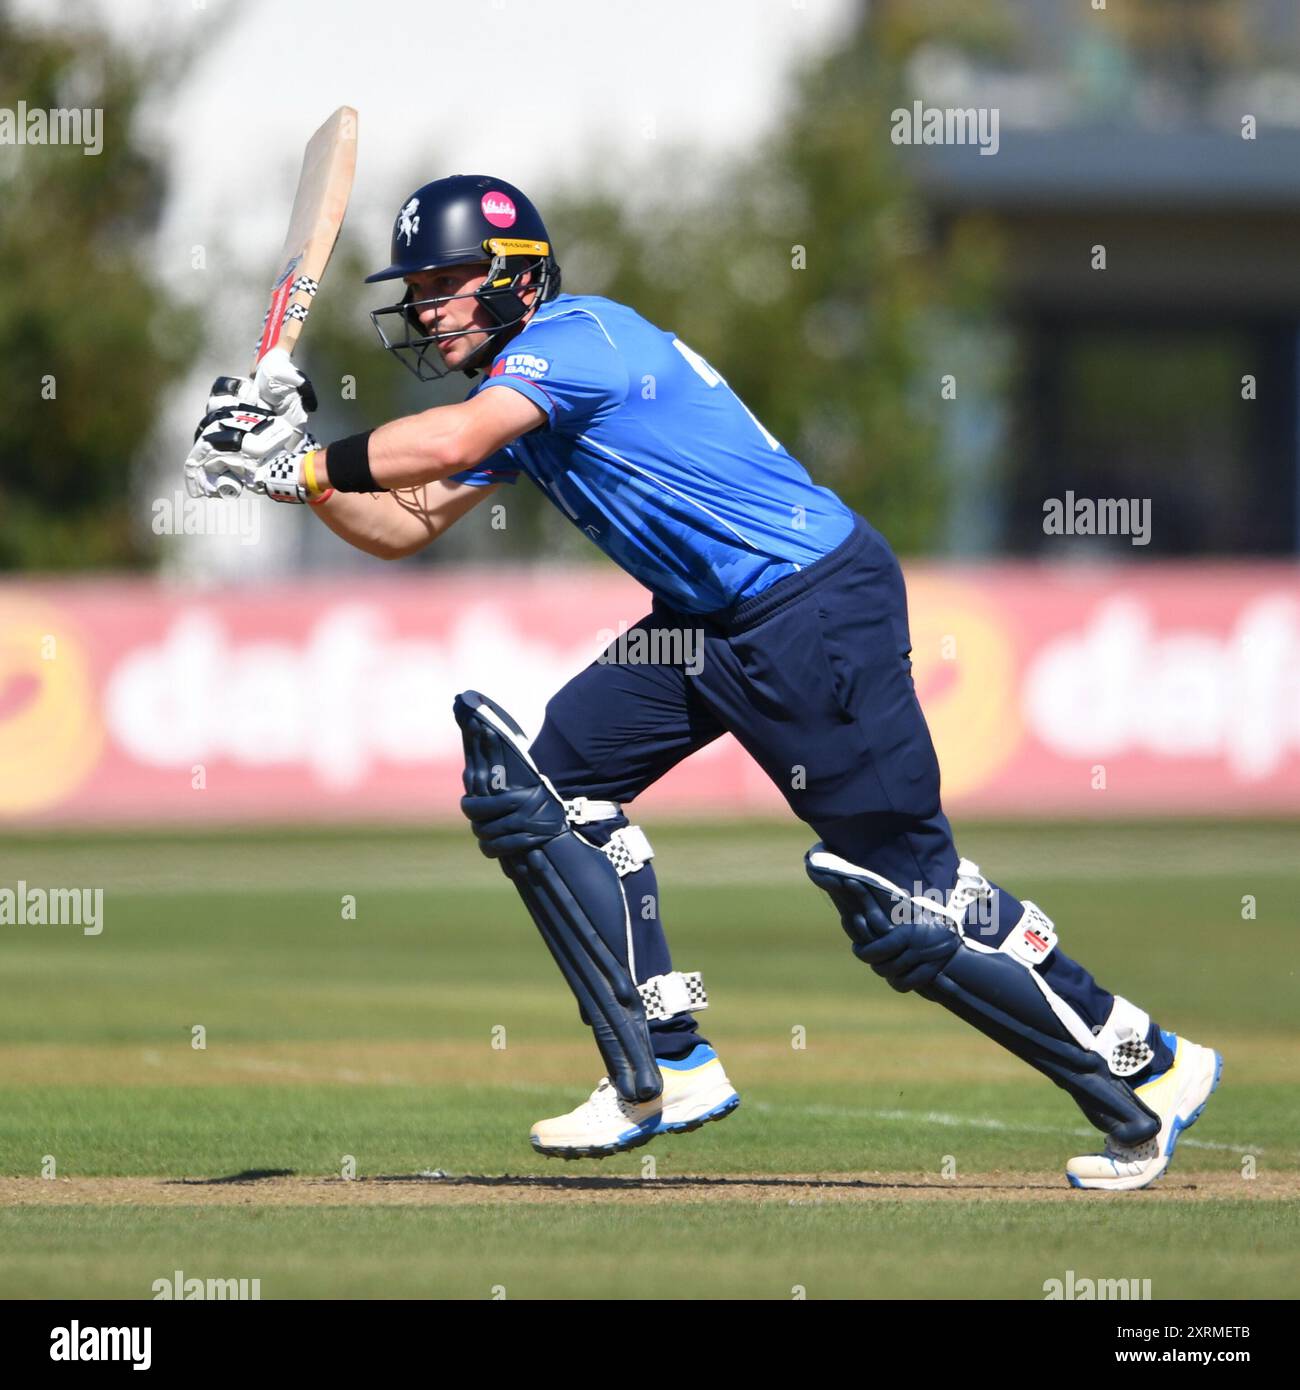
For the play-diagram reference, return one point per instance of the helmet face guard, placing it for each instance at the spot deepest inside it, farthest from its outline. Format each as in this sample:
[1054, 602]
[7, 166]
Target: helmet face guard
[464, 220]
[501, 295]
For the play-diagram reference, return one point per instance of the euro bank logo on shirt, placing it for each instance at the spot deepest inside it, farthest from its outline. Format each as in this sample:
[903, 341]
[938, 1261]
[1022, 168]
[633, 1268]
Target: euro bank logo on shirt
[523, 364]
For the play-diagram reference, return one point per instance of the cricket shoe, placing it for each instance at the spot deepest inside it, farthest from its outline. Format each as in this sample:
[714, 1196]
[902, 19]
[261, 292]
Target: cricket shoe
[1177, 1095]
[696, 1090]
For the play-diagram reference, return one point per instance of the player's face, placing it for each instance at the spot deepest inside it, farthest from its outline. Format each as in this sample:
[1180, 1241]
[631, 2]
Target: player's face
[455, 315]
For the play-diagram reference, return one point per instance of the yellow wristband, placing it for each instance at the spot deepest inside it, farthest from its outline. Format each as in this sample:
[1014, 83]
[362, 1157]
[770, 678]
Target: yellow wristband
[309, 471]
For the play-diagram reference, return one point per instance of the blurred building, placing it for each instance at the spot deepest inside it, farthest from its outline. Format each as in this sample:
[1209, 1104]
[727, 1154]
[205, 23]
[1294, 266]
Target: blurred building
[1169, 135]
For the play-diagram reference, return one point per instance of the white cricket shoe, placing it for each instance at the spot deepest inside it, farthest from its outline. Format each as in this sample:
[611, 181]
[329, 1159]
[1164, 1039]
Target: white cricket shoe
[1178, 1096]
[696, 1090]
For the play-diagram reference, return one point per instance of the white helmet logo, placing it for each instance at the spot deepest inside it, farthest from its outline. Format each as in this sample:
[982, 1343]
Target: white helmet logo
[408, 224]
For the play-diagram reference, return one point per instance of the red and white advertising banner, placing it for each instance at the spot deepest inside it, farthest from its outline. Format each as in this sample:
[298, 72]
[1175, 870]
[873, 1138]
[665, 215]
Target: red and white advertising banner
[1147, 689]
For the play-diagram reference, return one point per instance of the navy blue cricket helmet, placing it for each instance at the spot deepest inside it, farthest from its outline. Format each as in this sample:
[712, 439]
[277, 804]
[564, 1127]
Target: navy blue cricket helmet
[466, 219]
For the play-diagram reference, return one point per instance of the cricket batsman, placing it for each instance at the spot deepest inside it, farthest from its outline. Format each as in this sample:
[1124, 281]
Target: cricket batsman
[800, 614]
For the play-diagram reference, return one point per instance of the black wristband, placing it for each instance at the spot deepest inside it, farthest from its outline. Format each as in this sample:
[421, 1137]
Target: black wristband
[348, 463]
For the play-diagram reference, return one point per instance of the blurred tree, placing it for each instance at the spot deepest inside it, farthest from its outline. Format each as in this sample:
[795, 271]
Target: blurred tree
[810, 275]
[89, 340]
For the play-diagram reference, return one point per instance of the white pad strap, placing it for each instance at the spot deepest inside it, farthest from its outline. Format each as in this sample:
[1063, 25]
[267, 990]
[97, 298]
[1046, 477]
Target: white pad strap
[971, 887]
[582, 810]
[665, 996]
[1033, 938]
[628, 850]
[1122, 1040]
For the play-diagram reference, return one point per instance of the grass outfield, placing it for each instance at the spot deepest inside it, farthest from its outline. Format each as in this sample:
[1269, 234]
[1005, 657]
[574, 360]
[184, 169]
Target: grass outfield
[429, 1030]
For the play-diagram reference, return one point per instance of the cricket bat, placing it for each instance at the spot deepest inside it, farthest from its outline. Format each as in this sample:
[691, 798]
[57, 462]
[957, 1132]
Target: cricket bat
[324, 186]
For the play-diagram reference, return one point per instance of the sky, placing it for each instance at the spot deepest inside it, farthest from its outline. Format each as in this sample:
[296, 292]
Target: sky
[534, 91]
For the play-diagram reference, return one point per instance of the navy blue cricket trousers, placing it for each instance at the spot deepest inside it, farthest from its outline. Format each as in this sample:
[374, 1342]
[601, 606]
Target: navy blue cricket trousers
[813, 678]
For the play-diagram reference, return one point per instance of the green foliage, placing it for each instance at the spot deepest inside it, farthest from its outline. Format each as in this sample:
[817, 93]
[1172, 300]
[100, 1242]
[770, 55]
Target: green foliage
[89, 341]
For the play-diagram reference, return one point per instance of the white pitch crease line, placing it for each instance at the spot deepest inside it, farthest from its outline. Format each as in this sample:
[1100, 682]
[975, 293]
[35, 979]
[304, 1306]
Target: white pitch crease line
[939, 1117]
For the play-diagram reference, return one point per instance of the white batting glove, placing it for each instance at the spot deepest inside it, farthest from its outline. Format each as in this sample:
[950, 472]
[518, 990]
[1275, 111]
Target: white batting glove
[232, 446]
[208, 474]
[282, 478]
[250, 423]
[283, 389]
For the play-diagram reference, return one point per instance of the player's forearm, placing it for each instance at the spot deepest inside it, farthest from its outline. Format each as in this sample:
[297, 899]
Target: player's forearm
[428, 449]
[373, 522]
[395, 524]
[412, 451]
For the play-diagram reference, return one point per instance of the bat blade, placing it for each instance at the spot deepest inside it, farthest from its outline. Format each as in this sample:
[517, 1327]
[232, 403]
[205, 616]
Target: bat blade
[319, 206]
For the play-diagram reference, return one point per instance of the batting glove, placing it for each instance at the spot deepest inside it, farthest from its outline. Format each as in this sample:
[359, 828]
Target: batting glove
[285, 478]
[283, 389]
[249, 423]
